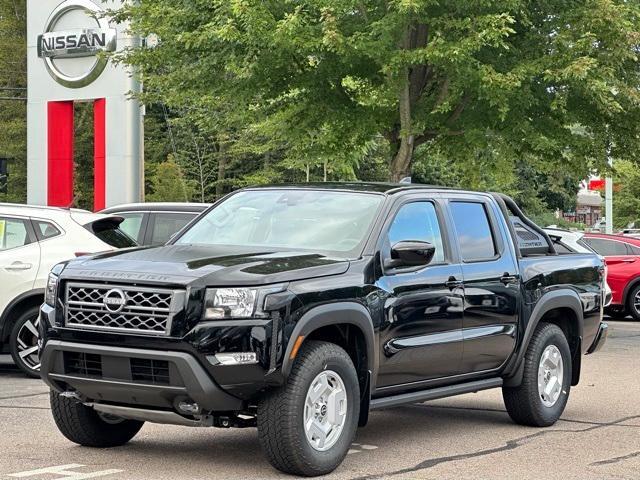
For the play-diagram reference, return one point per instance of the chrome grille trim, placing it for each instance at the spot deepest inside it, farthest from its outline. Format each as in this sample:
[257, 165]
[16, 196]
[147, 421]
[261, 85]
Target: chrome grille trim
[147, 311]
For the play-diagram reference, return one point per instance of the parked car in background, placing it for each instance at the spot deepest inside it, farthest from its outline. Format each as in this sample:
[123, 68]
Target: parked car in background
[622, 255]
[631, 232]
[568, 242]
[32, 240]
[155, 223]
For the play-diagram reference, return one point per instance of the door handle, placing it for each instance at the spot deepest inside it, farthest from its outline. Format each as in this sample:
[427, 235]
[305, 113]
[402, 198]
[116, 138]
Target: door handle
[629, 260]
[452, 283]
[508, 279]
[17, 266]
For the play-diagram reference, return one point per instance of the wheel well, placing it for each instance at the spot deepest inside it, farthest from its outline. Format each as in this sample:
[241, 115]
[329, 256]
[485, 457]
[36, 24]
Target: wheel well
[14, 310]
[567, 320]
[352, 340]
[627, 291]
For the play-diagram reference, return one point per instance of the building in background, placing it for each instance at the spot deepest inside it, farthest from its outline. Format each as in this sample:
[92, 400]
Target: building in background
[66, 43]
[588, 208]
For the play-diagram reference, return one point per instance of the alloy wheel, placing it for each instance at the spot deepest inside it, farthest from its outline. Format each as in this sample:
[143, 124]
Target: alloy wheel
[550, 375]
[325, 410]
[27, 343]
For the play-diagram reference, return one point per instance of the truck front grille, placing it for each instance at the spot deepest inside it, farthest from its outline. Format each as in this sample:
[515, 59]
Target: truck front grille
[126, 309]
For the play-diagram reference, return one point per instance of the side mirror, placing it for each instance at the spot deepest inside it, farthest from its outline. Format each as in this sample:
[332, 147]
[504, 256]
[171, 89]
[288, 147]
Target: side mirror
[411, 253]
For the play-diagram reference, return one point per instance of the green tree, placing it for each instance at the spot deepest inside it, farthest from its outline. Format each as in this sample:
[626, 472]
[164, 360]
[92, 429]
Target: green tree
[626, 199]
[320, 82]
[168, 184]
[13, 92]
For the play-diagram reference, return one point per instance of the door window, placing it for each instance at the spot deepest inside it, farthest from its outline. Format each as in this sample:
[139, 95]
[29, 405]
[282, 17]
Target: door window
[473, 231]
[418, 221]
[13, 233]
[607, 247]
[165, 225]
[131, 224]
[46, 230]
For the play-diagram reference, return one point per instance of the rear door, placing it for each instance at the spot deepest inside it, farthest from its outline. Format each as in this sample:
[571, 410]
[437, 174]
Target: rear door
[19, 258]
[491, 283]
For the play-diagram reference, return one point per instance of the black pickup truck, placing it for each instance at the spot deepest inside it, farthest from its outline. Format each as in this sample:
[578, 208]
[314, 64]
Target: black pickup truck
[299, 309]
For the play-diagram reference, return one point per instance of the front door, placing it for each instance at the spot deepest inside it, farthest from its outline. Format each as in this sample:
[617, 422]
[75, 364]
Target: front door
[421, 336]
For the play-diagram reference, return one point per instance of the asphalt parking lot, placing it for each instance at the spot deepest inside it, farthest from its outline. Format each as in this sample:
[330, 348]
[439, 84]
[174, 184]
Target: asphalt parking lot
[466, 437]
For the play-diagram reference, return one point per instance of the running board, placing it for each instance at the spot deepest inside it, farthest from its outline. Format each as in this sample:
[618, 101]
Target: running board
[435, 393]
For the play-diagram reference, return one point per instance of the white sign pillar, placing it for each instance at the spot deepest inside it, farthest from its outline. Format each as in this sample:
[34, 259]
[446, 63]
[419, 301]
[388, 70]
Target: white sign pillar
[64, 65]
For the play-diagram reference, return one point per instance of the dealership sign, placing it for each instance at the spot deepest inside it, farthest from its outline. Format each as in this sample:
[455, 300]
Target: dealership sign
[89, 36]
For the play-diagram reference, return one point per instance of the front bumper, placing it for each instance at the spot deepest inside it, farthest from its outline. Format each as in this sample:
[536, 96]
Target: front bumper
[600, 339]
[134, 377]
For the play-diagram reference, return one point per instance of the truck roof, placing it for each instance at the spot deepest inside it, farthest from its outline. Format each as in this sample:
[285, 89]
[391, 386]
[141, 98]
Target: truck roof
[371, 187]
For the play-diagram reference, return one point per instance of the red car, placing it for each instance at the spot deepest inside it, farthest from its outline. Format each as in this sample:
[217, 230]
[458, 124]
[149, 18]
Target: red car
[622, 256]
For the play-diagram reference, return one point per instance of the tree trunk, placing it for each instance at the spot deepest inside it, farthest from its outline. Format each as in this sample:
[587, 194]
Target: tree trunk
[401, 162]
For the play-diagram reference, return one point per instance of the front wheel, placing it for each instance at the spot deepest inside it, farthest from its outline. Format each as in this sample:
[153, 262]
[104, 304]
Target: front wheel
[542, 396]
[307, 426]
[84, 426]
[23, 342]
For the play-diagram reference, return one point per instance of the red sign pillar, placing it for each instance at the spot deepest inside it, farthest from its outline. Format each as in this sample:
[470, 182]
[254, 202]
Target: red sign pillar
[99, 154]
[60, 154]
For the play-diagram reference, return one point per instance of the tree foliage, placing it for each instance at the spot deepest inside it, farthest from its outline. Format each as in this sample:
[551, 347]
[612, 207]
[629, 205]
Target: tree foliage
[315, 83]
[13, 84]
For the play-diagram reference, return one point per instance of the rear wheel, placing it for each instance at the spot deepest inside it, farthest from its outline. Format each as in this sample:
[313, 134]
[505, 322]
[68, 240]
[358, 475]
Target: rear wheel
[23, 342]
[542, 396]
[84, 426]
[307, 426]
[633, 302]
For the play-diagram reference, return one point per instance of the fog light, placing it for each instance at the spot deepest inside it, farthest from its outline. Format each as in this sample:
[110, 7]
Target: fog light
[235, 358]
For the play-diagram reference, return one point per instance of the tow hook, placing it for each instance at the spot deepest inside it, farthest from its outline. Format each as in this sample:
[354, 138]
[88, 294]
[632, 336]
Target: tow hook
[71, 395]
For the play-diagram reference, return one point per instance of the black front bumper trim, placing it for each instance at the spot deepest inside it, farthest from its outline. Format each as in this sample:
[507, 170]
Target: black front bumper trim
[196, 383]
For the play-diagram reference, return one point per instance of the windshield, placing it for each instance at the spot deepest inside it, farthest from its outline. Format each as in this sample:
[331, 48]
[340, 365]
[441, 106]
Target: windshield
[323, 221]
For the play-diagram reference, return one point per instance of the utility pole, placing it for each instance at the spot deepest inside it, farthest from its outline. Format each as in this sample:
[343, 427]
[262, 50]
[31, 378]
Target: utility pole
[608, 196]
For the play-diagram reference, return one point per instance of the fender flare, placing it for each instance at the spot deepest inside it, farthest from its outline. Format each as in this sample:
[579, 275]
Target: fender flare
[559, 298]
[338, 313]
[5, 328]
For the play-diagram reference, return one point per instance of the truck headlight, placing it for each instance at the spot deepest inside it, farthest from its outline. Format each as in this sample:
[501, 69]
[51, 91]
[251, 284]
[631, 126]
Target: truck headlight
[221, 303]
[51, 290]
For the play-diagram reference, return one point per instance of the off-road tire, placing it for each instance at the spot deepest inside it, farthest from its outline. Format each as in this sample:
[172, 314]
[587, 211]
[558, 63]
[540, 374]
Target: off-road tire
[29, 314]
[83, 425]
[523, 403]
[281, 412]
[631, 308]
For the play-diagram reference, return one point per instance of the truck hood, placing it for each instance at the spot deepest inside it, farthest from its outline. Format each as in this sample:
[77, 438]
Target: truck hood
[204, 265]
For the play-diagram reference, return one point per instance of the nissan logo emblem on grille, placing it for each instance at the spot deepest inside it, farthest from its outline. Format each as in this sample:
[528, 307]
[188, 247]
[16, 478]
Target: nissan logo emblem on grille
[114, 300]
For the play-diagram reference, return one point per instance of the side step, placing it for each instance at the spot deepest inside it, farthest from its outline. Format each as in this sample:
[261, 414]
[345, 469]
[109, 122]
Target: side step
[435, 393]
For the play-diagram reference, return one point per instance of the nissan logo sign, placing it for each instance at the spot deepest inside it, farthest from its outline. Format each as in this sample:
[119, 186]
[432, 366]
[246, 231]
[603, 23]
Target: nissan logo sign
[114, 300]
[89, 36]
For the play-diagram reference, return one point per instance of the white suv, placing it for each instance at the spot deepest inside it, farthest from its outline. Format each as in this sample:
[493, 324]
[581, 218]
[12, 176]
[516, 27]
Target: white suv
[32, 240]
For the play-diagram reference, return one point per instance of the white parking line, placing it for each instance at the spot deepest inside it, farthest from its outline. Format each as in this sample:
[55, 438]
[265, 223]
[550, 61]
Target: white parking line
[66, 472]
[358, 447]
